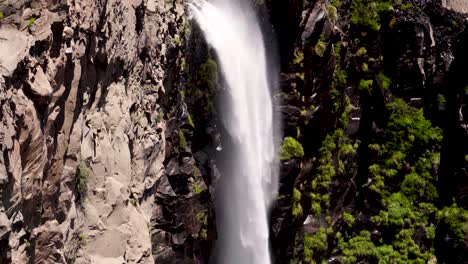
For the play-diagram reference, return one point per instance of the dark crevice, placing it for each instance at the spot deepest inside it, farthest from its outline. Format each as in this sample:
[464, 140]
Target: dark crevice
[57, 35]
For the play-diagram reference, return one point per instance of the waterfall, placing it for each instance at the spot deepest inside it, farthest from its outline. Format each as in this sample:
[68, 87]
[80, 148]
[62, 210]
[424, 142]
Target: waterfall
[249, 186]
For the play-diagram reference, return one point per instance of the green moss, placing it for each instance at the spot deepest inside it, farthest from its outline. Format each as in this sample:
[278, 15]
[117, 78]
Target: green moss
[31, 22]
[332, 12]
[362, 51]
[348, 218]
[366, 85]
[133, 201]
[316, 209]
[364, 67]
[296, 203]
[198, 189]
[336, 3]
[315, 246]
[296, 195]
[384, 80]
[297, 210]
[190, 120]
[337, 50]
[208, 73]
[298, 58]
[182, 141]
[339, 79]
[406, 6]
[203, 234]
[183, 64]
[290, 149]
[320, 48]
[455, 219]
[2, 15]
[185, 28]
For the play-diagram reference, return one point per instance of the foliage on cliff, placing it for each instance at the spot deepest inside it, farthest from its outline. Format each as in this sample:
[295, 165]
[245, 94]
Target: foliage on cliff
[368, 189]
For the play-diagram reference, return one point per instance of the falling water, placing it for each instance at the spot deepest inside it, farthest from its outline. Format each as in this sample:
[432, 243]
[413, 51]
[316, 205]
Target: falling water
[248, 187]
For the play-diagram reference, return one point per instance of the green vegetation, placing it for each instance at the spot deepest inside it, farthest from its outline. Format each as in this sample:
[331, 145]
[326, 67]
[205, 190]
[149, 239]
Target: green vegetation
[198, 189]
[182, 141]
[366, 13]
[202, 84]
[298, 58]
[406, 6]
[315, 246]
[2, 15]
[203, 234]
[406, 154]
[336, 147]
[190, 120]
[348, 218]
[401, 182]
[183, 64]
[320, 48]
[336, 3]
[83, 238]
[366, 85]
[296, 203]
[362, 51]
[82, 175]
[384, 80]
[133, 201]
[208, 73]
[31, 22]
[332, 12]
[290, 149]
[455, 221]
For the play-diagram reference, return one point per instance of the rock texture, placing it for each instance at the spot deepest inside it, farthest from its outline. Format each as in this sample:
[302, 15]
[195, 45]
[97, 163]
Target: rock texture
[343, 65]
[110, 133]
[91, 166]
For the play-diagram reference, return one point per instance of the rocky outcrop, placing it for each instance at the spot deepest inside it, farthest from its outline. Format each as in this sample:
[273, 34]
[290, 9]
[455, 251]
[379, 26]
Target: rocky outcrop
[342, 71]
[95, 167]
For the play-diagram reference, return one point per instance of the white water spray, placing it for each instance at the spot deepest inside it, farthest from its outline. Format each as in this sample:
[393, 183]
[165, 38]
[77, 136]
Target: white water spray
[249, 185]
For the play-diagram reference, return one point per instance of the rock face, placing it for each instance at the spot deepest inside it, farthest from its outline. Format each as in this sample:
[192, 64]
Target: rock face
[93, 167]
[352, 73]
[109, 132]
[456, 5]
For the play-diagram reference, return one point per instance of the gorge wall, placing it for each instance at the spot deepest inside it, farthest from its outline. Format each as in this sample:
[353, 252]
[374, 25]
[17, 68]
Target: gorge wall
[109, 131]
[95, 138]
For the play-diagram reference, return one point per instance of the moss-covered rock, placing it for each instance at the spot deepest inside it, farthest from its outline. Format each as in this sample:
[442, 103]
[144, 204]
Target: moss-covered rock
[291, 149]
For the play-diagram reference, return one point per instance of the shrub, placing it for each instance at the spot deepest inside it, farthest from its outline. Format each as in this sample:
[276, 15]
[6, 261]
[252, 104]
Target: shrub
[208, 74]
[315, 245]
[82, 174]
[455, 219]
[290, 149]
[366, 13]
[348, 218]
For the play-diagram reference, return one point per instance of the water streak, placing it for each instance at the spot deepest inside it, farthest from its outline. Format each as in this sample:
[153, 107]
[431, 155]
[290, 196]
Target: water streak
[250, 185]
